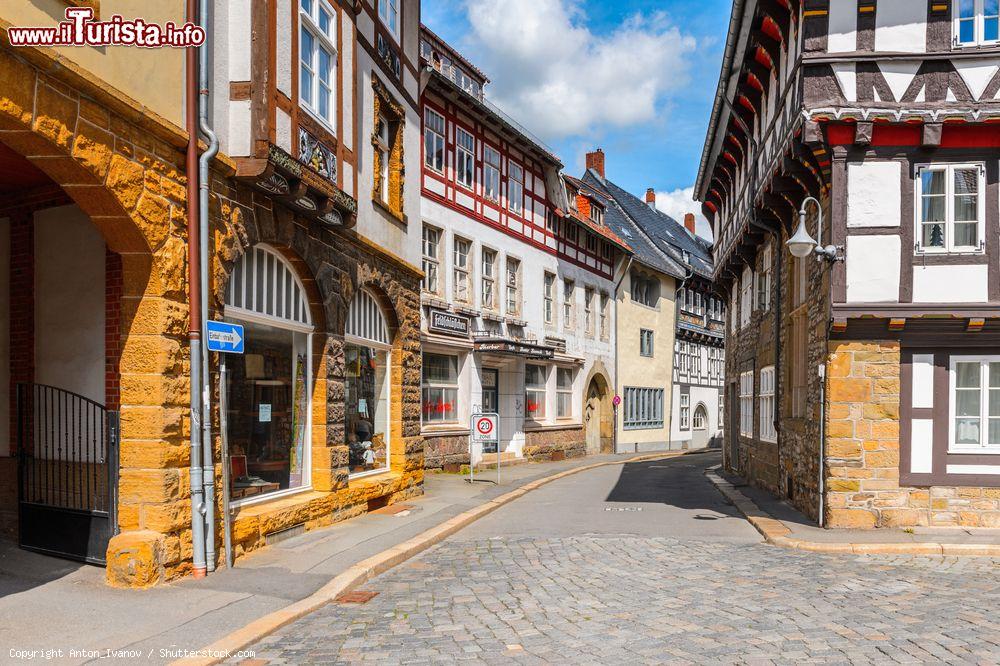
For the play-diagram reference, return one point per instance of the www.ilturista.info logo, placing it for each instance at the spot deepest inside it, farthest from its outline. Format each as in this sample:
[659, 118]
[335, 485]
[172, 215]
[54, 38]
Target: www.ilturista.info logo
[80, 29]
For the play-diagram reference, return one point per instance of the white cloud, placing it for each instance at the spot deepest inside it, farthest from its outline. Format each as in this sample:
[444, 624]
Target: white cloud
[550, 70]
[681, 201]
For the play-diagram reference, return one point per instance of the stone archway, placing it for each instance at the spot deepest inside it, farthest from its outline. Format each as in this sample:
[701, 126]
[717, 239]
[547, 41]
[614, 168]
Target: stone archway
[598, 412]
[131, 186]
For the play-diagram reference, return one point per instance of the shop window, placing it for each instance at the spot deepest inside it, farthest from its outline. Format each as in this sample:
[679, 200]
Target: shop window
[268, 387]
[975, 404]
[534, 392]
[440, 388]
[367, 373]
[387, 141]
[564, 393]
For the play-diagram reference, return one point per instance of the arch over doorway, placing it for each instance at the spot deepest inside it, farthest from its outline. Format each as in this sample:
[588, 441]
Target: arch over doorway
[701, 431]
[598, 411]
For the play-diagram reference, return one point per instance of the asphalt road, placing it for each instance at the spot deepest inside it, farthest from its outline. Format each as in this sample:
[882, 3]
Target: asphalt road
[645, 563]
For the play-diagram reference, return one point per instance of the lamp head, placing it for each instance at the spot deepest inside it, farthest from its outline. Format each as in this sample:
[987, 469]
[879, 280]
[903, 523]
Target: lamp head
[801, 244]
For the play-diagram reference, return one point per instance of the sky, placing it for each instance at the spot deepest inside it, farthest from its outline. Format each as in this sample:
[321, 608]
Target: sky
[636, 78]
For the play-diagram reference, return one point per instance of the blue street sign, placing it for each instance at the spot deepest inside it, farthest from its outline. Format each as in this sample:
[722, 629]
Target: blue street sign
[224, 337]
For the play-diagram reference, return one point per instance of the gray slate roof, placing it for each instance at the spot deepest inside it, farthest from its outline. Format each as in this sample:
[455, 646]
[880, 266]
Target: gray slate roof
[644, 249]
[667, 235]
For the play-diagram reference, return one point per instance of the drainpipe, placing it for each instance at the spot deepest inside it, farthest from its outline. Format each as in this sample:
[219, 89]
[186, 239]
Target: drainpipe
[206, 157]
[194, 305]
[822, 437]
[614, 438]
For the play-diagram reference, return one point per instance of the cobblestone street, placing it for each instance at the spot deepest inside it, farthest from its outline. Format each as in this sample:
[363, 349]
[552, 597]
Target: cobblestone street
[655, 569]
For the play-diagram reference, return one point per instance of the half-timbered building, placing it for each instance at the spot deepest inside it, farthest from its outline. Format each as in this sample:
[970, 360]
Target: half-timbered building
[518, 281]
[863, 357]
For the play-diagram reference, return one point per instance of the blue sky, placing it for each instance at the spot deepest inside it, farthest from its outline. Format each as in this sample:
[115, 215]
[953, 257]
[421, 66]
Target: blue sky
[635, 77]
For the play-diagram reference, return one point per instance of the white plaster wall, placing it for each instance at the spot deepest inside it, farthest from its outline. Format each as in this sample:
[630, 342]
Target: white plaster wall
[847, 78]
[4, 337]
[283, 47]
[843, 31]
[950, 284]
[219, 103]
[873, 194]
[238, 144]
[347, 81]
[69, 302]
[873, 269]
[901, 25]
[899, 75]
[706, 394]
[283, 131]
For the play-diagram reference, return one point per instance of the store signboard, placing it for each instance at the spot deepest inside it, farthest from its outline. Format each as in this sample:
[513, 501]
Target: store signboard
[448, 323]
[513, 347]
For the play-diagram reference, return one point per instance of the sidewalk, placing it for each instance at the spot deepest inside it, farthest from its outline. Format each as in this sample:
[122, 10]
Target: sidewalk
[783, 525]
[46, 603]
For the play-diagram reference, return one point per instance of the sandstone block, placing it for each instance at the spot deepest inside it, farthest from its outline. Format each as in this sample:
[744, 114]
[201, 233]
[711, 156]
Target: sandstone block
[135, 559]
[55, 116]
[17, 89]
[851, 518]
[902, 518]
[850, 390]
[125, 180]
[93, 147]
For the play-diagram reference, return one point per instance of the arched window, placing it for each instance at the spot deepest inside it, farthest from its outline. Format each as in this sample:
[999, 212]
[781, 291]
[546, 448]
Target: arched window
[700, 417]
[269, 386]
[367, 389]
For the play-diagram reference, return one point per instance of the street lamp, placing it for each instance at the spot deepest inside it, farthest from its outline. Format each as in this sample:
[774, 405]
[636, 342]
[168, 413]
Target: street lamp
[801, 244]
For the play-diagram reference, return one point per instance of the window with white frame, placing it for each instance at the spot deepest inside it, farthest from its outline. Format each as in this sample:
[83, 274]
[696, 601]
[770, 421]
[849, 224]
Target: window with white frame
[605, 304]
[975, 404]
[388, 11]
[431, 259]
[534, 392]
[643, 408]
[488, 287]
[491, 173]
[733, 307]
[382, 146]
[588, 310]
[462, 281]
[767, 431]
[515, 188]
[764, 281]
[439, 388]
[645, 342]
[318, 60]
[549, 297]
[746, 403]
[950, 207]
[977, 22]
[434, 140]
[746, 297]
[564, 393]
[722, 408]
[569, 303]
[685, 411]
[591, 243]
[465, 158]
[700, 421]
[513, 287]
[596, 213]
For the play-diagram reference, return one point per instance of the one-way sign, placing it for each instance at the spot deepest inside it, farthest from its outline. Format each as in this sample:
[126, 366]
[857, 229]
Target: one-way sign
[224, 337]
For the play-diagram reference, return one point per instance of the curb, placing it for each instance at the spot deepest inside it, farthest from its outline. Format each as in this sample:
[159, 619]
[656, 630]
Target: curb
[776, 533]
[377, 564]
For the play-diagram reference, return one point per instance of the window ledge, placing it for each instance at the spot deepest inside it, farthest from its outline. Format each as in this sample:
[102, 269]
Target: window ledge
[443, 430]
[363, 480]
[547, 427]
[266, 505]
[381, 205]
[983, 451]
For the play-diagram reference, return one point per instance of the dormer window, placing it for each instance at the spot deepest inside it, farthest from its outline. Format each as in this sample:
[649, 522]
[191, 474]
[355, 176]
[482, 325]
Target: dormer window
[318, 60]
[388, 11]
[596, 214]
[977, 22]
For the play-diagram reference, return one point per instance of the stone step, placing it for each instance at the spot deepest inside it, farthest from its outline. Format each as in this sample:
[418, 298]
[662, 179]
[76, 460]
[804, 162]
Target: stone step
[489, 460]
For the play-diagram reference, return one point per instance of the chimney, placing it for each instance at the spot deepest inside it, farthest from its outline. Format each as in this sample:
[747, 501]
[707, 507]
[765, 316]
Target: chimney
[595, 161]
[651, 198]
[689, 222]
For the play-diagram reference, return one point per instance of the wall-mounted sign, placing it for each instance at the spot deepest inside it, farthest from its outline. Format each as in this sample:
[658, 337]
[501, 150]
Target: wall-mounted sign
[446, 322]
[512, 347]
[224, 337]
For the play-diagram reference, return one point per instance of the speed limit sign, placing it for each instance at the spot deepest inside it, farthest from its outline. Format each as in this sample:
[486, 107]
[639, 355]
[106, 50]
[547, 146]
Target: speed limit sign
[484, 428]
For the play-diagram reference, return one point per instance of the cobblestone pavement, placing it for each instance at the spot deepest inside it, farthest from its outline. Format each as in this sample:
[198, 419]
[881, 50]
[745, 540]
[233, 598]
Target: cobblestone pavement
[597, 597]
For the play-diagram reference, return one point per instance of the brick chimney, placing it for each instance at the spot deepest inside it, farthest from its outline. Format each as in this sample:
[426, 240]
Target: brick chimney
[689, 222]
[595, 161]
[651, 198]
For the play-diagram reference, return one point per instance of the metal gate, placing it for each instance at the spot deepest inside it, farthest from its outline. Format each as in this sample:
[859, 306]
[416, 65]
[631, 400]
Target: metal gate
[67, 473]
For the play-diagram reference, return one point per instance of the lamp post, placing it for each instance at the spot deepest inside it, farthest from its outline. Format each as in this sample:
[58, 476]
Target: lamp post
[801, 244]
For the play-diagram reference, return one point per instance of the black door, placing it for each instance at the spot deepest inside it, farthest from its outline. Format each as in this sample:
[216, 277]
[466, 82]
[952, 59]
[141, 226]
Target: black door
[491, 390]
[67, 448]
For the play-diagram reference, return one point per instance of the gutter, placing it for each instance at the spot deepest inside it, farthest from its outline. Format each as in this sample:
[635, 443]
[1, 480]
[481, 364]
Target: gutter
[208, 462]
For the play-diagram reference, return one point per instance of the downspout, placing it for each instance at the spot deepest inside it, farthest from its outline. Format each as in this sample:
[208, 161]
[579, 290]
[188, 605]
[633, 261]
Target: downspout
[614, 442]
[213, 147]
[194, 305]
